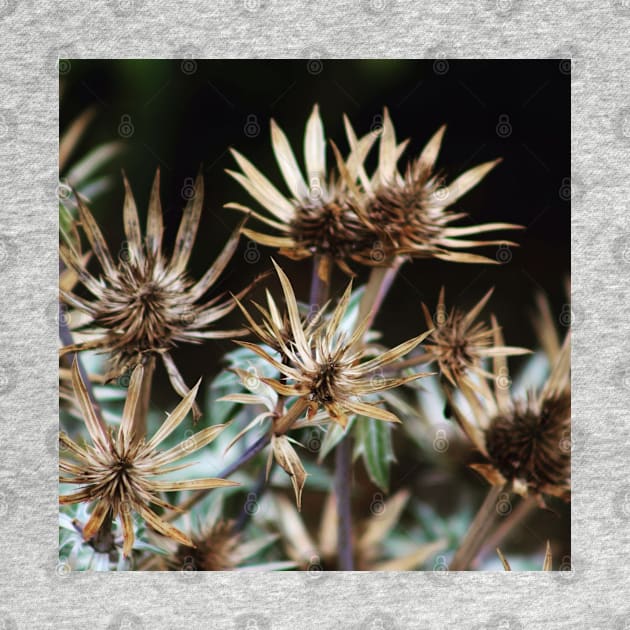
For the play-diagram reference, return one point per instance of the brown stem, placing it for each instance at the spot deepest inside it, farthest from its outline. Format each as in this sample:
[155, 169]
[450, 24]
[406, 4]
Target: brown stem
[103, 540]
[343, 483]
[253, 450]
[517, 516]
[379, 283]
[478, 531]
[320, 281]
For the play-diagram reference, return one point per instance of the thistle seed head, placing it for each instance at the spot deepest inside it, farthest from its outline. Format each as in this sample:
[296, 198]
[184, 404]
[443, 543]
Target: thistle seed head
[532, 444]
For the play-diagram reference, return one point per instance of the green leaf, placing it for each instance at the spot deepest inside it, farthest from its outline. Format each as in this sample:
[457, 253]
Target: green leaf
[374, 445]
[333, 436]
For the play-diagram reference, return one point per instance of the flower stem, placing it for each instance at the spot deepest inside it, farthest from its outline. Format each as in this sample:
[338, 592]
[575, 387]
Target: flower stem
[257, 491]
[320, 292]
[251, 452]
[103, 540]
[343, 482]
[379, 284]
[320, 281]
[520, 513]
[478, 531]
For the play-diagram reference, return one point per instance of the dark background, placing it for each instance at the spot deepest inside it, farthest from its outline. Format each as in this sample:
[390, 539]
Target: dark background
[187, 113]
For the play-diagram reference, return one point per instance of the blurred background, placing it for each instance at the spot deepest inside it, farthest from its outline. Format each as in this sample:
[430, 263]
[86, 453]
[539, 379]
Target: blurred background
[182, 115]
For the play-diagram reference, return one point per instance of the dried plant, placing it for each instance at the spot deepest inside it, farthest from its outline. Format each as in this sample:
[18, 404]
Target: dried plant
[410, 212]
[355, 217]
[117, 474]
[526, 442]
[144, 304]
[460, 344]
[315, 370]
[316, 553]
[322, 366]
[218, 546]
[321, 215]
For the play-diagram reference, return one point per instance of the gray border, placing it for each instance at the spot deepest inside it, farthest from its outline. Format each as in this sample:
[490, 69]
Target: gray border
[34, 590]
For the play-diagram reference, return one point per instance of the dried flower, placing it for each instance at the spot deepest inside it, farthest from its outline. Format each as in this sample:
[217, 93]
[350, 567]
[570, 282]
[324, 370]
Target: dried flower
[410, 212]
[212, 551]
[145, 304]
[219, 547]
[319, 553]
[118, 473]
[322, 365]
[459, 344]
[322, 214]
[526, 442]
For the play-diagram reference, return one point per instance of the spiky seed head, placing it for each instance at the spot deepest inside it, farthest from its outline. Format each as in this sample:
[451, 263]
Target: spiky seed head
[403, 210]
[144, 303]
[460, 343]
[118, 473]
[532, 444]
[322, 365]
[332, 228]
[213, 550]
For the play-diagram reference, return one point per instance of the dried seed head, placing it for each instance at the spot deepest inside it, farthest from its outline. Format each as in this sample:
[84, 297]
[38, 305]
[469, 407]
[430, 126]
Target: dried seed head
[460, 343]
[403, 210]
[532, 444]
[321, 364]
[453, 346]
[332, 228]
[144, 303]
[410, 210]
[320, 215]
[143, 310]
[118, 473]
[353, 217]
[213, 550]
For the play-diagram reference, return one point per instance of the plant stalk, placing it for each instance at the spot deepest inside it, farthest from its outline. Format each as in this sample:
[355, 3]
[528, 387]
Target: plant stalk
[320, 281]
[520, 513]
[103, 540]
[320, 292]
[258, 490]
[343, 484]
[478, 531]
[252, 451]
[379, 283]
[377, 288]
[66, 338]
